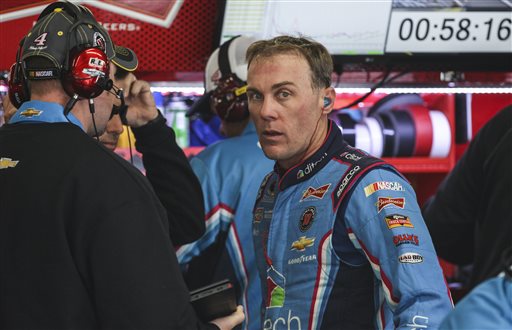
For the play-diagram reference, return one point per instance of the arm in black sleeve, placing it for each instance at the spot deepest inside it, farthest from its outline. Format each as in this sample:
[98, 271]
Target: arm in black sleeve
[452, 215]
[173, 180]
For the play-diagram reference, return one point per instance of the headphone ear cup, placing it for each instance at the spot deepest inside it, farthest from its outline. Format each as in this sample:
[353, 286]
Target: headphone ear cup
[229, 99]
[88, 73]
[18, 89]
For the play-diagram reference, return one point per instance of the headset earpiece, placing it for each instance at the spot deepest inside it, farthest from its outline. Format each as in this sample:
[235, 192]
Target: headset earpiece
[327, 101]
[229, 98]
[88, 73]
[18, 85]
[18, 89]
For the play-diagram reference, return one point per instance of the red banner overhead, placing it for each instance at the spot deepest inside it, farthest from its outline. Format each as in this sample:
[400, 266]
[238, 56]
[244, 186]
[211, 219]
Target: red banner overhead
[172, 38]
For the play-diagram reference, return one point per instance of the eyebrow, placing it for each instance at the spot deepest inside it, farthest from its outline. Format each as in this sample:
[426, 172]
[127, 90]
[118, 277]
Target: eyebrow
[281, 84]
[274, 87]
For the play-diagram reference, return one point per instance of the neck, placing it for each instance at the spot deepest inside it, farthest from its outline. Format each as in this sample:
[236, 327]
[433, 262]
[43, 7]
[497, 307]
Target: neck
[314, 144]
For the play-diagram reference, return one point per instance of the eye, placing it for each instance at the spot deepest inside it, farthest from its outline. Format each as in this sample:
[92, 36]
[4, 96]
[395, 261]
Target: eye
[254, 96]
[283, 94]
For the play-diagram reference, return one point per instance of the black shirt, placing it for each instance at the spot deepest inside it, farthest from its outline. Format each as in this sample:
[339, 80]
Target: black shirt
[173, 180]
[470, 217]
[84, 240]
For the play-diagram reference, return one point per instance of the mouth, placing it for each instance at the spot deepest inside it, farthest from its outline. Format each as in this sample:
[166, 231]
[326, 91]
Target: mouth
[110, 145]
[270, 134]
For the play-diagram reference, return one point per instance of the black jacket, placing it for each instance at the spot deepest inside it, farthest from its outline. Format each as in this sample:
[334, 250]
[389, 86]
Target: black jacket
[84, 240]
[470, 217]
[173, 180]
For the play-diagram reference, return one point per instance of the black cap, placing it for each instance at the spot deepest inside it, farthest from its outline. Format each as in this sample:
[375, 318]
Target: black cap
[125, 58]
[52, 37]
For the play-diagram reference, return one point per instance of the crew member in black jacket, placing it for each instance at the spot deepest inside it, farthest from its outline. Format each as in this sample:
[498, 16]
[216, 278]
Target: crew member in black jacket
[470, 216]
[167, 167]
[84, 239]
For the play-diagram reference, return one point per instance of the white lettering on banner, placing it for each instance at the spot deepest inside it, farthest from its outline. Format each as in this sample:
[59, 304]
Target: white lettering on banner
[45, 73]
[382, 185]
[346, 179]
[418, 322]
[113, 26]
[269, 325]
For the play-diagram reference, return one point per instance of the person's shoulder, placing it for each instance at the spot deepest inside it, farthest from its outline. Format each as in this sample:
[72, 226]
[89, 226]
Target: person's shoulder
[96, 157]
[234, 147]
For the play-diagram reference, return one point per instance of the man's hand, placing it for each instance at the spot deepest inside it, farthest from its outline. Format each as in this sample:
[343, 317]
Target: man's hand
[230, 321]
[140, 101]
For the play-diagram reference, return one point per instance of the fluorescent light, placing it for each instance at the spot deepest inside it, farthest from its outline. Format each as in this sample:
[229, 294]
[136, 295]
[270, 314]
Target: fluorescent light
[174, 88]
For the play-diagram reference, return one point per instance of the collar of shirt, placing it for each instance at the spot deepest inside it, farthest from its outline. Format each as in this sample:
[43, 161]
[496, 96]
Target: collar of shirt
[43, 112]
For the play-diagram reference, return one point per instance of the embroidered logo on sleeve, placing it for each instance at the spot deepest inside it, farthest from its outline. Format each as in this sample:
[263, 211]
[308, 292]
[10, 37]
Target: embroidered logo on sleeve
[398, 220]
[410, 258]
[383, 202]
[382, 185]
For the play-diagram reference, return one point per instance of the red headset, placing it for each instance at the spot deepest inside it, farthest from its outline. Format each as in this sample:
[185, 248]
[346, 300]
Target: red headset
[85, 71]
[229, 98]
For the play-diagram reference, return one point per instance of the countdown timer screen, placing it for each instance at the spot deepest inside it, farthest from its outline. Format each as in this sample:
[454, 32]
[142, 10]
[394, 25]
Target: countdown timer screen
[449, 31]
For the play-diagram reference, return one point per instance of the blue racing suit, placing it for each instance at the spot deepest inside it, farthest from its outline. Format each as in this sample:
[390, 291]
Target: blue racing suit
[487, 306]
[342, 245]
[230, 172]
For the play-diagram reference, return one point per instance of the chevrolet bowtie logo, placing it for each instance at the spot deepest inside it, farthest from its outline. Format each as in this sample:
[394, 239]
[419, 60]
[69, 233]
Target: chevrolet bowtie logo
[31, 112]
[7, 162]
[302, 243]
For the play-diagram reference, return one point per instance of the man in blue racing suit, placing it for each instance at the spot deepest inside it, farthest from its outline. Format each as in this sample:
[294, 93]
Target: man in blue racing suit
[230, 172]
[339, 237]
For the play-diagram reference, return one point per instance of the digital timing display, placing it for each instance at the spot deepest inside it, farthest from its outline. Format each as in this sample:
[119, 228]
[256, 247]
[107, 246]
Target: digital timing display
[449, 31]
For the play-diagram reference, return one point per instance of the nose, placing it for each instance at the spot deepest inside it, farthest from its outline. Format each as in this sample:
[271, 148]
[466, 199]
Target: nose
[268, 111]
[115, 126]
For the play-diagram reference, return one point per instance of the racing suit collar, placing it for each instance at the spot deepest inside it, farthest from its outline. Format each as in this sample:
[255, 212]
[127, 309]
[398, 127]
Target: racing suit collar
[35, 111]
[333, 144]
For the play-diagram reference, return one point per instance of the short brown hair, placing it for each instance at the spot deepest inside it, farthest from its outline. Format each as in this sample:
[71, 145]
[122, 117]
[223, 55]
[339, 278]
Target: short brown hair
[319, 59]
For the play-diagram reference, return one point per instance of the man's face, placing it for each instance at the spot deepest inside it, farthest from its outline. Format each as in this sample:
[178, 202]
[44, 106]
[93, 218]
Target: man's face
[114, 126]
[285, 108]
[103, 106]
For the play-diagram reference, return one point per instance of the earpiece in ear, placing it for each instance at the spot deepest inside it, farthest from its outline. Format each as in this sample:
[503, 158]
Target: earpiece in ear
[327, 101]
